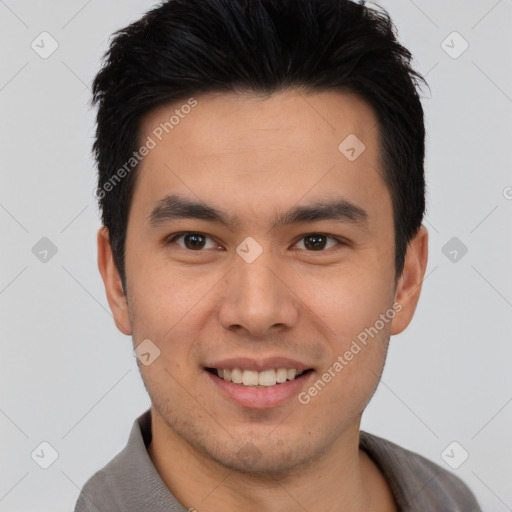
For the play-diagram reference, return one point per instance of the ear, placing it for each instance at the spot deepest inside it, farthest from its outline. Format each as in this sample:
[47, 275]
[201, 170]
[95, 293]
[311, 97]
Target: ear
[409, 284]
[112, 280]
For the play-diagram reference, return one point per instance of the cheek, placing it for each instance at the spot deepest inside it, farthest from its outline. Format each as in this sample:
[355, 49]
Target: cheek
[171, 310]
[164, 295]
[358, 313]
[348, 304]
[350, 378]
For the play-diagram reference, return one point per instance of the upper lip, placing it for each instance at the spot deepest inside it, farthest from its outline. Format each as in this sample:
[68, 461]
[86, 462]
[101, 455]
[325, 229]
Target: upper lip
[259, 365]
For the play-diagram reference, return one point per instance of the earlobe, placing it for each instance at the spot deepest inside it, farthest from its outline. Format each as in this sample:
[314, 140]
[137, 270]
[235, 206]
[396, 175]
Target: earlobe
[409, 285]
[112, 282]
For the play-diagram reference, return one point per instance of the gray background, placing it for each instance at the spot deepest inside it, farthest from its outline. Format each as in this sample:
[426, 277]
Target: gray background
[69, 378]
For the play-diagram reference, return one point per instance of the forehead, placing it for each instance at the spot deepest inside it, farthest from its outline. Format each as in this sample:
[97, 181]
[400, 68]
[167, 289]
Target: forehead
[236, 120]
[238, 151]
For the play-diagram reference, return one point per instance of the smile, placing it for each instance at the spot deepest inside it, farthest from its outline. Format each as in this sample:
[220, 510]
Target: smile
[257, 379]
[264, 389]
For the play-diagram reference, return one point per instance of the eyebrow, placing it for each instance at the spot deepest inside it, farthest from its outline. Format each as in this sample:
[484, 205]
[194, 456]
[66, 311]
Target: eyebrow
[175, 207]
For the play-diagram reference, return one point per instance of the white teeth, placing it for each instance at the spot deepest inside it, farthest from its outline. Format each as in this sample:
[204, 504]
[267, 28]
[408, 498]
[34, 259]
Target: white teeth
[250, 378]
[290, 374]
[281, 375]
[265, 378]
[236, 376]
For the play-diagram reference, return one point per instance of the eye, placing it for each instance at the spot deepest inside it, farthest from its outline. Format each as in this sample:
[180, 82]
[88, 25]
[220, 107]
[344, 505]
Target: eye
[317, 241]
[196, 241]
[193, 241]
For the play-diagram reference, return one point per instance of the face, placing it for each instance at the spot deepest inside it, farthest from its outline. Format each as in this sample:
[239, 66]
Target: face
[287, 267]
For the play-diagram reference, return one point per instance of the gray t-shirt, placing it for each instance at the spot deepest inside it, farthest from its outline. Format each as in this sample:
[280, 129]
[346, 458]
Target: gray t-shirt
[130, 482]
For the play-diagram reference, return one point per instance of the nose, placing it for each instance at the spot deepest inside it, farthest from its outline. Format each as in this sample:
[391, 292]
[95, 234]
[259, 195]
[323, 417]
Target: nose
[258, 298]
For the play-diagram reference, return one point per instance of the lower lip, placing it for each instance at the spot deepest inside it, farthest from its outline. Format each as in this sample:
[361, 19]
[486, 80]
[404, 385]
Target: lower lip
[261, 398]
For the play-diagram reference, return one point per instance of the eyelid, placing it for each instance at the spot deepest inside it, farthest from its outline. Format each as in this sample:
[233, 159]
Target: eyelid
[340, 241]
[175, 236]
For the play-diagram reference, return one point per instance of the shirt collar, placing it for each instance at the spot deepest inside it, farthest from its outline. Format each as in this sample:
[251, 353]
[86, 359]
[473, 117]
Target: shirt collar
[136, 471]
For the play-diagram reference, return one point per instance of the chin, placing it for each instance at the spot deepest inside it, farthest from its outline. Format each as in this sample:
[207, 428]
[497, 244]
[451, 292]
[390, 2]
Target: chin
[261, 457]
[251, 460]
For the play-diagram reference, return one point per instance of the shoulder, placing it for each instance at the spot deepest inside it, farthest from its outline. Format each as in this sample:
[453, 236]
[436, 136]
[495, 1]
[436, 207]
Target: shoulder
[129, 482]
[116, 486]
[102, 489]
[418, 483]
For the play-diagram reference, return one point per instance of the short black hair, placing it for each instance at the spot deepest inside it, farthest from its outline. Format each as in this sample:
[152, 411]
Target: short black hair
[182, 48]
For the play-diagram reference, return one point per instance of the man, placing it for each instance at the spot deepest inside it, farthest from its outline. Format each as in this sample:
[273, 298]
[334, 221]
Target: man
[262, 192]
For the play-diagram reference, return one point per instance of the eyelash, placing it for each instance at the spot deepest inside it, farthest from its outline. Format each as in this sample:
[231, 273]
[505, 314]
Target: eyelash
[172, 239]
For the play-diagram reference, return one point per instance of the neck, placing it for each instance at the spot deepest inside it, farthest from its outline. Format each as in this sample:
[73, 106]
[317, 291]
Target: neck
[344, 477]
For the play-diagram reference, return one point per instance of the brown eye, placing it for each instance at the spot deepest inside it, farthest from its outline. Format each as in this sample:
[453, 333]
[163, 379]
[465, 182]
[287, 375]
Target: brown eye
[317, 241]
[192, 241]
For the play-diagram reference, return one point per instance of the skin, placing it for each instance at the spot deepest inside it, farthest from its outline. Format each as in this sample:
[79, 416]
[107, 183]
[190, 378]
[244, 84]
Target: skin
[253, 157]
